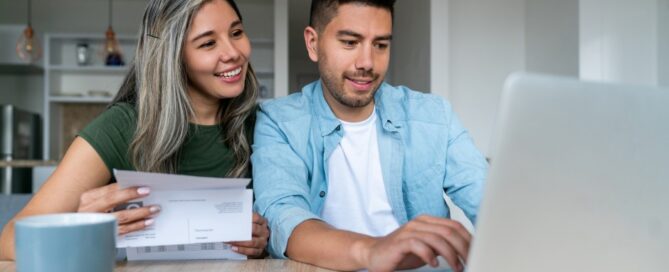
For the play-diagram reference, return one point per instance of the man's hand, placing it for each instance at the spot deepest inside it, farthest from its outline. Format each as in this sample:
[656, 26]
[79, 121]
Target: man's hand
[256, 247]
[105, 198]
[419, 242]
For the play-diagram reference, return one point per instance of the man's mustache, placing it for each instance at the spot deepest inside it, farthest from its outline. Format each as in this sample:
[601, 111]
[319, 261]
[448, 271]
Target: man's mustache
[362, 74]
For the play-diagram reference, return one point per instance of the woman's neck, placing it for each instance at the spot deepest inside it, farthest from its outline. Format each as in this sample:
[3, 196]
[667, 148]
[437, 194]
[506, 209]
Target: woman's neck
[205, 107]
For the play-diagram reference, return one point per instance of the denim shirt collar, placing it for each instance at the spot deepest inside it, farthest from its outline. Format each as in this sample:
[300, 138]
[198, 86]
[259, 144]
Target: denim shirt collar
[389, 113]
[392, 118]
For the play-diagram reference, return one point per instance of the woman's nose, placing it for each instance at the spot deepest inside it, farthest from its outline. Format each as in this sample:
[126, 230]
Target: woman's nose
[229, 52]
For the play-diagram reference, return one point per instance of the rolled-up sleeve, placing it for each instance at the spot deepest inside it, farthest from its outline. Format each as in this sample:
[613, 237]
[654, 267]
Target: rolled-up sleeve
[280, 181]
[466, 167]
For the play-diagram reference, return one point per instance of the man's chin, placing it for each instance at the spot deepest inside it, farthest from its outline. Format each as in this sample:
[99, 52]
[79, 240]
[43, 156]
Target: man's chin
[357, 102]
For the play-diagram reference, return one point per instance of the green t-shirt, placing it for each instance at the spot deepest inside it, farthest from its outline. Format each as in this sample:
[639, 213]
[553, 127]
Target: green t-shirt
[203, 153]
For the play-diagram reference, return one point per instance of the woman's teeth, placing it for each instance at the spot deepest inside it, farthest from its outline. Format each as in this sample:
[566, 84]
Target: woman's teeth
[230, 74]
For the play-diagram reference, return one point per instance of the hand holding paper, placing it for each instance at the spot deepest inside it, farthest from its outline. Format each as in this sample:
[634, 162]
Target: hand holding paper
[193, 209]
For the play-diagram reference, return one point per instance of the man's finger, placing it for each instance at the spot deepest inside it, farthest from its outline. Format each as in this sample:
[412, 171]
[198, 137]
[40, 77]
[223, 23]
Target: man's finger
[449, 235]
[442, 247]
[448, 223]
[419, 248]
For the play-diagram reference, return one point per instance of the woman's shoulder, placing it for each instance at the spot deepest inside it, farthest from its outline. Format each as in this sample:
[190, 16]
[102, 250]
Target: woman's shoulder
[120, 118]
[122, 111]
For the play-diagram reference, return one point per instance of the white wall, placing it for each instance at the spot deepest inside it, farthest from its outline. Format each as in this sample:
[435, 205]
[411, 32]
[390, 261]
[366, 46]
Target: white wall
[302, 69]
[487, 44]
[410, 50]
[439, 48]
[74, 15]
[663, 33]
[281, 45]
[551, 37]
[619, 40]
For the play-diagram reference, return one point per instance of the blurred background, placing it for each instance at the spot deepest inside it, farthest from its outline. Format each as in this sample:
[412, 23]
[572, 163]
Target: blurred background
[460, 49]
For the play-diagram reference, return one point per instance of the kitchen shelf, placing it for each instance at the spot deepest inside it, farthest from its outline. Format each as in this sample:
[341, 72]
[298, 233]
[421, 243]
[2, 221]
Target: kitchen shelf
[81, 99]
[68, 103]
[88, 69]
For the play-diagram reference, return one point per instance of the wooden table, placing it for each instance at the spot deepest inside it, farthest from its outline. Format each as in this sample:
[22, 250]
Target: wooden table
[209, 265]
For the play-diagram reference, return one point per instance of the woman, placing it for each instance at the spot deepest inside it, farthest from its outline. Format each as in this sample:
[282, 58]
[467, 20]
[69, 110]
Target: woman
[185, 107]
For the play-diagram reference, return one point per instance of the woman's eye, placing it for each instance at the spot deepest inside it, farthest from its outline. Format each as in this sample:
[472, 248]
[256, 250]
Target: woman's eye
[237, 33]
[207, 44]
[382, 45]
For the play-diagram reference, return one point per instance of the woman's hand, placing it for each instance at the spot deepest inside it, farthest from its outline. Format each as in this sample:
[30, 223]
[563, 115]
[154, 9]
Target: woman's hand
[256, 247]
[106, 198]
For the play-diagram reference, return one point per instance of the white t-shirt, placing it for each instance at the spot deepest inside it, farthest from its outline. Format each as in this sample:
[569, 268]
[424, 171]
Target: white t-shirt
[356, 199]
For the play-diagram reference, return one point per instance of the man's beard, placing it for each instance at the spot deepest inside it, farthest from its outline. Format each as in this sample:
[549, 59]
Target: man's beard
[335, 86]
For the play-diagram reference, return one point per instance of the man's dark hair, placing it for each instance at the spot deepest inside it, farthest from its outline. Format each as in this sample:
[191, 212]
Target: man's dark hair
[322, 11]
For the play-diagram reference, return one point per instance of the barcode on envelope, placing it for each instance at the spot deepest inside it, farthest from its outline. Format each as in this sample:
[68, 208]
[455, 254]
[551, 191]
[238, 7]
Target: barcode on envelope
[192, 247]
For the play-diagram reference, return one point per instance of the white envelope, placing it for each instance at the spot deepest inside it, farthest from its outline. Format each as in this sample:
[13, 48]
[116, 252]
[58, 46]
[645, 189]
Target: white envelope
[193, 209]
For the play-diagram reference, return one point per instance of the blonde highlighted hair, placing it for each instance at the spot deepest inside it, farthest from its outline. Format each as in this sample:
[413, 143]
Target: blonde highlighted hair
[157, 86]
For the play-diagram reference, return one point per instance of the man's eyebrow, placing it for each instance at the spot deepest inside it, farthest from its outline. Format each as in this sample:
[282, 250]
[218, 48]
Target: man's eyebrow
[349, 33]
[356, 35]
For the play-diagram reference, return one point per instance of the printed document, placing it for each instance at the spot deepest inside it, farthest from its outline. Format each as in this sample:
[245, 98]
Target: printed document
[197, 214]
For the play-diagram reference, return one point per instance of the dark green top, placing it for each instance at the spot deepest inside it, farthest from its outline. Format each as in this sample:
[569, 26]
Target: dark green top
[203, 154]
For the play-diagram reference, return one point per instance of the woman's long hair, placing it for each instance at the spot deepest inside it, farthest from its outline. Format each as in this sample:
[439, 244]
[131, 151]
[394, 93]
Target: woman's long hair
[157, 85]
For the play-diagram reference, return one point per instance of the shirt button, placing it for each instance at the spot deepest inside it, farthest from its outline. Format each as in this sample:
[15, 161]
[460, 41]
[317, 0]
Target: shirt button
[322, 194]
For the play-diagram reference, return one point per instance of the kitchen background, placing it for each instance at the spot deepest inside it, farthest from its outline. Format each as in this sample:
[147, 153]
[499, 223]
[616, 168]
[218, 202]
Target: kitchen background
[460, 49]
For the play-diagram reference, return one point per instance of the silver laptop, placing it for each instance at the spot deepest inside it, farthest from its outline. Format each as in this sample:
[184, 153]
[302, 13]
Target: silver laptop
[579, 179]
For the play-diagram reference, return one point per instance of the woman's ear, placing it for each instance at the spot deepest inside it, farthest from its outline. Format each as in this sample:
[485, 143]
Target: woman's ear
[311, 41]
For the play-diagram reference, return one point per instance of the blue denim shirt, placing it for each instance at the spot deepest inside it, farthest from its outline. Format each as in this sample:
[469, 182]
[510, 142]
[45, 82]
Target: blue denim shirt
[424, 151]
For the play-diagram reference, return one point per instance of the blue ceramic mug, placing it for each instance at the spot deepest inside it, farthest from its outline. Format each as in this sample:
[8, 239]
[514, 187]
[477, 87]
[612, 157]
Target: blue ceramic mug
[74, 242]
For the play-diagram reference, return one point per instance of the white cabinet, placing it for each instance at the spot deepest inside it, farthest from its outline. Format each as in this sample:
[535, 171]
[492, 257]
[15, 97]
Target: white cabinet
[68, 85]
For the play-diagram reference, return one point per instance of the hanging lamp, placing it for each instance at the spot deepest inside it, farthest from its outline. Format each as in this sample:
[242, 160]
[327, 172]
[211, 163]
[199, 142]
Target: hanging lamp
[113, 56]
[28, 47]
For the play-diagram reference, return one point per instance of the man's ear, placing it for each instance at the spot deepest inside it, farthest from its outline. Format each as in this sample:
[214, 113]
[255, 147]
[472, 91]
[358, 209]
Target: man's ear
[311, 41]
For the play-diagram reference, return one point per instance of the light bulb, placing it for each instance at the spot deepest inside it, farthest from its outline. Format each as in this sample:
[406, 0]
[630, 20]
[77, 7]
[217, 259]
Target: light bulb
[28, 47]
[112, 49]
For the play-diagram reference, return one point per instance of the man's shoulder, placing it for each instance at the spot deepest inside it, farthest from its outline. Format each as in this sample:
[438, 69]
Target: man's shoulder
[289, 107]
[415, 105]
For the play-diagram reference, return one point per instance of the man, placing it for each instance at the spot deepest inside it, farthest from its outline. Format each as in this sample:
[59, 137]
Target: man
[350, 172]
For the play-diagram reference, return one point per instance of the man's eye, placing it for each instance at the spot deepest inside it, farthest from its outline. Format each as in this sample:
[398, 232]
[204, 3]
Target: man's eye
[349, 43]
[207, 44]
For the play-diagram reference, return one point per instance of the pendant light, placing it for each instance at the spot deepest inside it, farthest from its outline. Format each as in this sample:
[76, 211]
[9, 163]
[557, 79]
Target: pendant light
[113, 56]
[28, 47]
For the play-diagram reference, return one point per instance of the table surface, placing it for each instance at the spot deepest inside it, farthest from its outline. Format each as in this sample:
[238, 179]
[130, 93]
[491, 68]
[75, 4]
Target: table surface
[203, 265]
